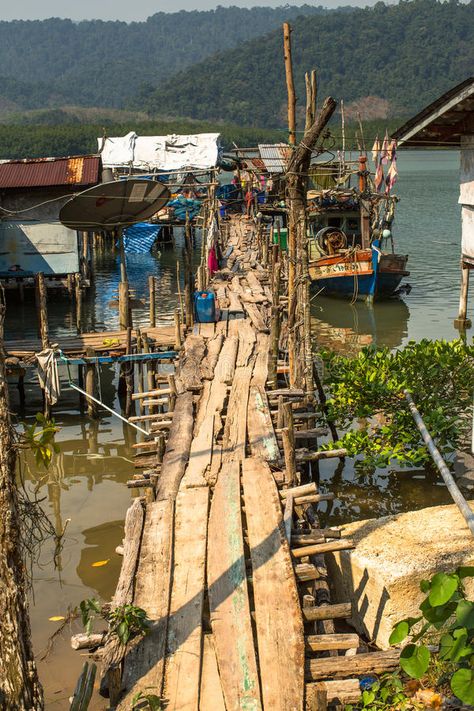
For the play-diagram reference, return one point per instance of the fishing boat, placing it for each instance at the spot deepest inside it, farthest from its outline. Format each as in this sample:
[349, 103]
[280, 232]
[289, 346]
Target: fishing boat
[351, 247]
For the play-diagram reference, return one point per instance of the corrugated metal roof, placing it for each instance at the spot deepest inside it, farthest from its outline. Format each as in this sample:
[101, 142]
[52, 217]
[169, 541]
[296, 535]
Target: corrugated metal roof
[80, 171]
[275, 156]
[443, 122]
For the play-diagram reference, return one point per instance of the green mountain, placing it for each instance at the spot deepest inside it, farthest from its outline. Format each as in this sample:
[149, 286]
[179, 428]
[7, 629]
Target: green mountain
[388, 60]
[98, 63]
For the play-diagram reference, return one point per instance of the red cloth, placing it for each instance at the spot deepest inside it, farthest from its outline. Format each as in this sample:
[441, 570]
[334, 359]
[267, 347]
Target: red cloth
[212, 263]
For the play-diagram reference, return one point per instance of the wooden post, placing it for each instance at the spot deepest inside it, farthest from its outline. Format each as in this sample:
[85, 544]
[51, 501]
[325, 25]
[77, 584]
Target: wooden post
[78, 292]
[124, 305]
[141, 384]
[151, 290]
[289, 453]
[124, 296]
[173, 394]
[21, 688]
[90, 383]
[297, 229]
[290, 84]
[188, 289]
[42, 301]
[274, 348]
[177, 322]
[462, 322]
[129, 375]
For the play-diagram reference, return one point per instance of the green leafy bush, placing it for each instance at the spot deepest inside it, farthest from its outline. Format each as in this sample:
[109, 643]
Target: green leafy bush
[446, 616]
[368, 389]
[125, 621]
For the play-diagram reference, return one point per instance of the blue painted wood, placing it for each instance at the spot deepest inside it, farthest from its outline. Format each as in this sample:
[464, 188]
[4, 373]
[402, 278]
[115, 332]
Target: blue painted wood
[377, 285]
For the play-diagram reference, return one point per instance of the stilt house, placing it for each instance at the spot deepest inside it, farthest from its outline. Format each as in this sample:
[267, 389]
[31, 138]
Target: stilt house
[32, 239]
[449, 123]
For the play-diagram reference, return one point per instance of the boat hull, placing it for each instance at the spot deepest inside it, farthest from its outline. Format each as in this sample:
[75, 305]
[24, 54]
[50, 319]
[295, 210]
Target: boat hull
[367, 275]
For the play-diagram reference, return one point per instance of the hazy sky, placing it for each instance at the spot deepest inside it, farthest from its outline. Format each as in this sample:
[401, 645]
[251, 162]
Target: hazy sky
[128, 10]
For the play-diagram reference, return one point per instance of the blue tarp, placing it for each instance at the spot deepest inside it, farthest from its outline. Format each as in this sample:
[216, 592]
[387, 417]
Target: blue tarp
[139, 238]
[184, 205]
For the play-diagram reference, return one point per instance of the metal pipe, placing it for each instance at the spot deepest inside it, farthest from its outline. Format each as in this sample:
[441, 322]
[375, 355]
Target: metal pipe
[456, 495]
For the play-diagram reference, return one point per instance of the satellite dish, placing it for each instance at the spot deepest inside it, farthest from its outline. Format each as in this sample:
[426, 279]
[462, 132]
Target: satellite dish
[116, 204]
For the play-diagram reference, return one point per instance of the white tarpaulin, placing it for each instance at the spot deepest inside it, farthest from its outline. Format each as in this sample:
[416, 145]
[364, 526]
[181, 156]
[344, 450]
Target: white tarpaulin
[199, 151]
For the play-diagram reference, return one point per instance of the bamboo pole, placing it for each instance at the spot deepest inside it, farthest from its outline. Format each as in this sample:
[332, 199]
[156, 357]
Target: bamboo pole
[90, 383]
[290, 84]
[151, 291]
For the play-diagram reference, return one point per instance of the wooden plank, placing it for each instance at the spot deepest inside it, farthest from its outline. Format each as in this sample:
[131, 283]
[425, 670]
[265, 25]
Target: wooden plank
[279, 624]
[256, 317]
[189, 374]
[235, 305]
[235, 431]
[184, 642]
[340, 667]
[207, 330]
[324, 642]
[262, 439]
[208, 365]
[228, 595]
[247, 339]
[177, 448]
[144, 663]
[260, 373]
[211, 698]
[224, 370]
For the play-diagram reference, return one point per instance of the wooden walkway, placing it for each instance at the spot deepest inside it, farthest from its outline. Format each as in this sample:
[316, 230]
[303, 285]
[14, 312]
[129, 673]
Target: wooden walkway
[224, 554]
[100, 341]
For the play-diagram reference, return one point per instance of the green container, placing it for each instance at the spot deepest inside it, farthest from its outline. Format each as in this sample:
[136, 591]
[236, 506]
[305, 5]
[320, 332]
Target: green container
[283, 238]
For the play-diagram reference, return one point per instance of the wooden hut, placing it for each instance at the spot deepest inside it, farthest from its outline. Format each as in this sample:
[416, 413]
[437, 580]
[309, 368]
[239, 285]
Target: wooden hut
[32, 239]
[449, 123]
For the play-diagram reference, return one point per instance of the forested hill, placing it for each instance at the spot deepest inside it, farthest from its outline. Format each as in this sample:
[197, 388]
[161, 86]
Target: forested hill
[388, 60]
[98, 63]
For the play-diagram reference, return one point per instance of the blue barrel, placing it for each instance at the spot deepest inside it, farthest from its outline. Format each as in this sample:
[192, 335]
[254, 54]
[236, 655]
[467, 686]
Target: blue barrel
[205, 306]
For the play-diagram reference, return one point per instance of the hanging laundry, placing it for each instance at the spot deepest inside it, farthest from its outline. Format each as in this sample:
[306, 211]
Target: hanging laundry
[384, 153]
[379, 176]
[212, 262]
[376, 150]
[48, 375]
[391, 178]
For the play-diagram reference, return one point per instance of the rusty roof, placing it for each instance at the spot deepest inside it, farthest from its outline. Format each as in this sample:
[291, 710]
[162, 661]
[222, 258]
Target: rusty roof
[74, 171]
[443, 122]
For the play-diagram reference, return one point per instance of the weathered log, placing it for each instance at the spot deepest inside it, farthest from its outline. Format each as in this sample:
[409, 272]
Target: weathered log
[87, 641]
[343, 691]
[317, 548]
[340, 611]
[299, 490]
[304, 455]
[114, 650]
[339, 667]
[323, 642]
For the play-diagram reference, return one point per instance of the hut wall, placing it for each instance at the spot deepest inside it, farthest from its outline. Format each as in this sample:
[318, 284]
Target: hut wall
[466, 198]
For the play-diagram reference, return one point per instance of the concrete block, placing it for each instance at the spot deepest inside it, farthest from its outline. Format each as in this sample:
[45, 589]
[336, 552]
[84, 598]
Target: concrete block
[381, 576]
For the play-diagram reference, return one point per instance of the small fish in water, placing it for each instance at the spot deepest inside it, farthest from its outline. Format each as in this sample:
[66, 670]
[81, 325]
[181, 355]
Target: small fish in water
[100, 563]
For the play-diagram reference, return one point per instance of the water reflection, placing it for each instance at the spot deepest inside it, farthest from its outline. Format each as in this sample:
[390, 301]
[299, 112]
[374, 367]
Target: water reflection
[346, 328]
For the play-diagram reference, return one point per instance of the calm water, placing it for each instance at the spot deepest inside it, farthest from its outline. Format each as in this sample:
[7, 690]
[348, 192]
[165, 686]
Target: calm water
[86, 483]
